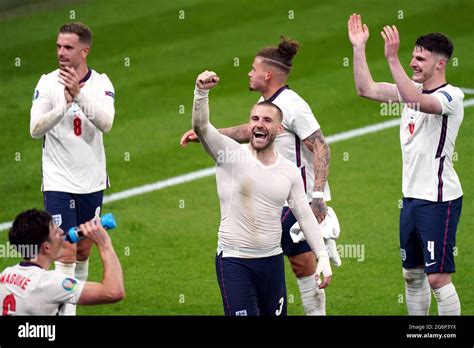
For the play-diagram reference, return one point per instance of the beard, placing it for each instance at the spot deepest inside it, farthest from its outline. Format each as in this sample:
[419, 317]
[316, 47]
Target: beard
[260, 145]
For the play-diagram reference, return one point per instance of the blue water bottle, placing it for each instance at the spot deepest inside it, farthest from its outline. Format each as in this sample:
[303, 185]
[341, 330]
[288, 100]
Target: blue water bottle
[74, 234]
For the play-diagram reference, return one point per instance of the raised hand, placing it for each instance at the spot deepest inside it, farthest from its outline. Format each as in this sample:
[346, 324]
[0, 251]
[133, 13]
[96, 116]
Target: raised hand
[207, 80]
[69, 78]
[358, 33]
[93, 230]
[392, 40]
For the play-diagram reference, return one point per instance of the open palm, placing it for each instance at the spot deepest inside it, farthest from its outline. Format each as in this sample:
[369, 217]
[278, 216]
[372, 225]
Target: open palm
[358, 33]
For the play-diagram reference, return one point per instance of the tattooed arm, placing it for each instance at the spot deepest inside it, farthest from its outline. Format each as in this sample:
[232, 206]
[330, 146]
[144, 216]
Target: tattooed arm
[321, 155]
[240, 134]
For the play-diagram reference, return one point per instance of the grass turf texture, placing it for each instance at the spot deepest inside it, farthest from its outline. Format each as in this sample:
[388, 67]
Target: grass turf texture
[167, 252]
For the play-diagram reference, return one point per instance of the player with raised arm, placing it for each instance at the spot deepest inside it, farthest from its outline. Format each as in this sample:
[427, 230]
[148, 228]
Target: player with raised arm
[30, 288]
[302, 142]
[432, 195]
[72, 107]
[253, 183]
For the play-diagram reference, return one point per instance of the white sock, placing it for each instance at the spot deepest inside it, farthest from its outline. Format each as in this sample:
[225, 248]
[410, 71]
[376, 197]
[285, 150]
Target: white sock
[417, 291]
[448, 300]
[82, 270]
[313, 298]
[69, 270]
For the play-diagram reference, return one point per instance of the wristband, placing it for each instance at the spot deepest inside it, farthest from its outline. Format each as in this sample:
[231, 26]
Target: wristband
[318, 194]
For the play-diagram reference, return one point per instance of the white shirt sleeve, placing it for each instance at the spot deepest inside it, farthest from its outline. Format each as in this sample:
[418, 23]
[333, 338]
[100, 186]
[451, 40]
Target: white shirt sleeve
[99, 109]
[42, 115]
[450, 99]
[211, 139]
[298, 203]
[299, 118]
[59, 288]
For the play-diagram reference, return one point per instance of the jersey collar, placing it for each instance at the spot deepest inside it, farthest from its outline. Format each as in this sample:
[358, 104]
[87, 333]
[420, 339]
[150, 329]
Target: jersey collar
[88, 75]
[277, 93]
[29, 264]
[434, 90]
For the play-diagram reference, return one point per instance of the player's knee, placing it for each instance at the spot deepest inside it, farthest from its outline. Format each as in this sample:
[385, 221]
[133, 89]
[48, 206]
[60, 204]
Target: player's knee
[83, 256]
[69, 253]
[84, 250]
[438, 280]
[414, 277]
[303, 265]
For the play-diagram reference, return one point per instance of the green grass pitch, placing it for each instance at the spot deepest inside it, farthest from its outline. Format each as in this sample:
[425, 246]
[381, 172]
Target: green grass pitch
[166, 239]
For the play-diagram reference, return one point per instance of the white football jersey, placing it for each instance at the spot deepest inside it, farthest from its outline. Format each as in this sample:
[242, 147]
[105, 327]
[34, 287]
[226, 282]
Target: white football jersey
[298, 123]
[427, 142]
[73, 150]
[28, 289]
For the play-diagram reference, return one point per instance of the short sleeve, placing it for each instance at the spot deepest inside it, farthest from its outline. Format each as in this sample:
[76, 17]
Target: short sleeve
[59, 288]
[299, 118]
[450, 99]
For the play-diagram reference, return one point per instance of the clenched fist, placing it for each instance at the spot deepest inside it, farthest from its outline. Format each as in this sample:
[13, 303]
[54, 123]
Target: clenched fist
[207, 80]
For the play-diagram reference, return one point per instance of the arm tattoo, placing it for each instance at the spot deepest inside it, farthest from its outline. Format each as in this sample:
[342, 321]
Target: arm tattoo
[240, 134]
[321, 157]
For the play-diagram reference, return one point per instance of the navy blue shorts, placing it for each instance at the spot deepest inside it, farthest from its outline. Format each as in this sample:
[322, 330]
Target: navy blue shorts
[289, 247]
[428, 234]
[71, 209]
[252, 286]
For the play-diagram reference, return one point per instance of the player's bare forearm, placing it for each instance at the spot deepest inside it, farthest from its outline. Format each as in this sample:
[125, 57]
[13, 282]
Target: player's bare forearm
[406, 88]
[365, 85]
[111, 289]
[362, 77]
[321, 157]
[113, 274]
[240, 134]
[358, 36]
[409, 93]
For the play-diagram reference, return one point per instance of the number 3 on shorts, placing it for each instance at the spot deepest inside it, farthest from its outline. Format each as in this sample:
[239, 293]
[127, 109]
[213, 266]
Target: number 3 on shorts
[278, 311]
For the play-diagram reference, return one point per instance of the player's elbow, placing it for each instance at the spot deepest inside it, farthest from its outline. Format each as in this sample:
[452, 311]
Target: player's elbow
[360, 91]
[105, 123]
[198, 129]
[363, 91]
[35, 132]
[115, 295]
[107, 126]
[366, 90]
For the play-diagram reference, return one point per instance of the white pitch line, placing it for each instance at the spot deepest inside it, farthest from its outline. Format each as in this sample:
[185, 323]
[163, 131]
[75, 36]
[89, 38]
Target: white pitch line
[203, 173]
[159, 185]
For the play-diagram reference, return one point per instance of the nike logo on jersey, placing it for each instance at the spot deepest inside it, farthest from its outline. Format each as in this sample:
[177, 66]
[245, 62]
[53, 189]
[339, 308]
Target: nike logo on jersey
[429, 264]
